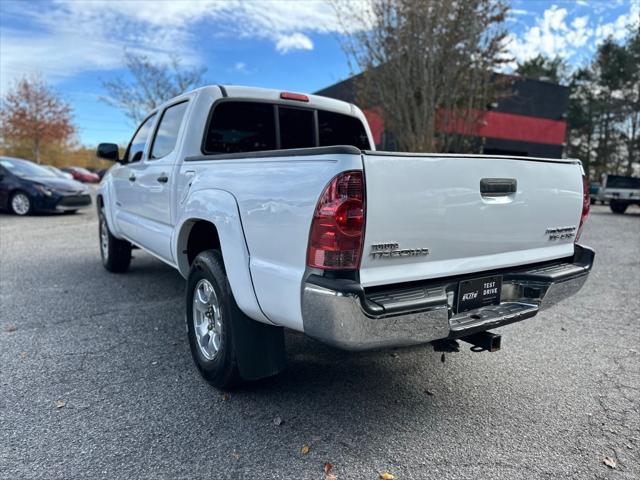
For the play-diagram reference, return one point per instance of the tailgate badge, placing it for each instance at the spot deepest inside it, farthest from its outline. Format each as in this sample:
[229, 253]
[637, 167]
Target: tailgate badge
[560, 233]
[393, 250]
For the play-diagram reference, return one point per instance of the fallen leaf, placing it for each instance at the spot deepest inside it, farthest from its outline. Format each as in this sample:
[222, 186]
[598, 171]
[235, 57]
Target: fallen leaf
[331, 476]
[387, 476]
[327, 468]
[60, 403]
[236, 455]
[609, 462]
[10, 328]
[305, 449]
[225, 397]
[277, 421]
[23, 354]
[154, 363]
[394, 354]
[429, 392]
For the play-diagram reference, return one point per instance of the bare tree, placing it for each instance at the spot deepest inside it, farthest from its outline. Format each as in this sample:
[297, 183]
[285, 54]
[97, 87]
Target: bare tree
[429, 65]
[34, 116]
[151, 85]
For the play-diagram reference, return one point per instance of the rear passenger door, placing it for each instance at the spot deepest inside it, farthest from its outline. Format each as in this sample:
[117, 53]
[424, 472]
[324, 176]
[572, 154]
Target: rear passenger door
[154, 182]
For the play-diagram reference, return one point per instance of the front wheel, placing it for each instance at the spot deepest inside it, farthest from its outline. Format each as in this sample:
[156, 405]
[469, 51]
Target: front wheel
[21, 204]
[115, 253]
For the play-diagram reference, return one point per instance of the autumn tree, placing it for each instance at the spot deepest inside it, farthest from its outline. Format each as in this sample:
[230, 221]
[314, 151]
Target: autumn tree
[33, 115]
[428, 64]
[151, 84]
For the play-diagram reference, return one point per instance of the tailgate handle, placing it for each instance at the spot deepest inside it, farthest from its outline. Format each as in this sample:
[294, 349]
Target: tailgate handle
[498, 187]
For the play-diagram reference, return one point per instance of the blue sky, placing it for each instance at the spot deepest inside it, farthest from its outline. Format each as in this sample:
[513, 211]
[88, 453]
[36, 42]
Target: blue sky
[76, 45]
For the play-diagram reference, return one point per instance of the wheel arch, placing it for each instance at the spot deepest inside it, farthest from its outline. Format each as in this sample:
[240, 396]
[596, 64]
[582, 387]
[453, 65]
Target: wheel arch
[211, 220]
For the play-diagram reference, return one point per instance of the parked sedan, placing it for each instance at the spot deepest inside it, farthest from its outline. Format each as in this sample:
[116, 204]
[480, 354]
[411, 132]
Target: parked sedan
[26, 187]
[58, 172]
[82, 174]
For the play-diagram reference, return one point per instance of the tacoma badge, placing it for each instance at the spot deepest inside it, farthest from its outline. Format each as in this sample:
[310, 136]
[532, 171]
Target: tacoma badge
[392, 249]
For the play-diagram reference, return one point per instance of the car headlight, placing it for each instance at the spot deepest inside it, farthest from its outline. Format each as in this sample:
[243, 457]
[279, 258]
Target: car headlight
[44, 190]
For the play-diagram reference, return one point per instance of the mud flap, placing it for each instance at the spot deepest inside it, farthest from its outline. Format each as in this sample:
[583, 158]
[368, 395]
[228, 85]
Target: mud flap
[260, 350]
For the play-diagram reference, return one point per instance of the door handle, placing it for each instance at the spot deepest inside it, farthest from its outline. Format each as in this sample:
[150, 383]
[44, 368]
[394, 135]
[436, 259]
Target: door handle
[132, 178]
[162, 179]
[498, 187]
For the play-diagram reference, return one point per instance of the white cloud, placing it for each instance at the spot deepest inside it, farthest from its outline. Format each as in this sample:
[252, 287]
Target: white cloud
[552, 36]
[295, 41]
[70, 36]
[240, 67]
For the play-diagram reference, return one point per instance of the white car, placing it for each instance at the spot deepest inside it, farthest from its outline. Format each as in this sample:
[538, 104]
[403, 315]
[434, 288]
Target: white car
[279, 212]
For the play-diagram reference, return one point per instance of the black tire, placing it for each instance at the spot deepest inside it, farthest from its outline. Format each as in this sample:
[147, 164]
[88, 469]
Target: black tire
[592, 201]
[115, 253]
[25, 198]
[618, 207]
[247, 350]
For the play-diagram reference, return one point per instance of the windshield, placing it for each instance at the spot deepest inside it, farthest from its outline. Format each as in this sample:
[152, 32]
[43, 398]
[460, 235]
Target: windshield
[56, 172]
[24, 168]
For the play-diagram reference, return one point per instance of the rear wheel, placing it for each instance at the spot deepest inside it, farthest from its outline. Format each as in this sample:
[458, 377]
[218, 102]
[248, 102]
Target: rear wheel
[226, 345]
[115, 253]
[618, 207]
[20, 204]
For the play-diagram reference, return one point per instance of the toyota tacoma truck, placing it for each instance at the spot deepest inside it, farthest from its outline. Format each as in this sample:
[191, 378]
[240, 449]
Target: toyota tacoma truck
[280, 213]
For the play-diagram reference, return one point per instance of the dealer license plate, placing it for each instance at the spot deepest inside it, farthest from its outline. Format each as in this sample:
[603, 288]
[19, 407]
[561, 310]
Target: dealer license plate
[479, 292]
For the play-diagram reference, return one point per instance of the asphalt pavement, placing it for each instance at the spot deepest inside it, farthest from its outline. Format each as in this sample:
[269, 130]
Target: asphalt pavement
[96, 381]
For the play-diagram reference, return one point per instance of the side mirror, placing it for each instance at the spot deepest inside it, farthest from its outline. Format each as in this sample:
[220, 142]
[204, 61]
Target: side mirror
[108, 151]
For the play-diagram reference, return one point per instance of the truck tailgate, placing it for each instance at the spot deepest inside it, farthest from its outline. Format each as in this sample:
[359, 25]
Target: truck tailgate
[430, 216]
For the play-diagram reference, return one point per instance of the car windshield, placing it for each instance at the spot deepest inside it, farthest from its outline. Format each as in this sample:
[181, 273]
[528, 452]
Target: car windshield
[24, 168]
[56, 172]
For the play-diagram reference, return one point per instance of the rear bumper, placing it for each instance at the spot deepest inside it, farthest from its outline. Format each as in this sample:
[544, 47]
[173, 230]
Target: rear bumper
[341, 313]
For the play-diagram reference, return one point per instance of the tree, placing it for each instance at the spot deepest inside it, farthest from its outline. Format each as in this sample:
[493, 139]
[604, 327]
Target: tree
[35, 117]
[428, 65]
[604, 109]
[151, 85]
[543, 68]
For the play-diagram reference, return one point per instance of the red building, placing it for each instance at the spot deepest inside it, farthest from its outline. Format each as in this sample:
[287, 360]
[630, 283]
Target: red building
[529, 121]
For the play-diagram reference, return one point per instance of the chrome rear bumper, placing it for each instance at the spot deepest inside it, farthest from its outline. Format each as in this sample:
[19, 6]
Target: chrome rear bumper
[341, 313]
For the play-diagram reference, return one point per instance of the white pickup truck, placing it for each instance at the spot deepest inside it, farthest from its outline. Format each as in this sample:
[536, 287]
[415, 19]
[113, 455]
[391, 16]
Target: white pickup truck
[279, 212]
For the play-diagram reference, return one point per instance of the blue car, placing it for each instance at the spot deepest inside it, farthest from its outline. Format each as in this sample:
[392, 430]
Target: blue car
[26, 187]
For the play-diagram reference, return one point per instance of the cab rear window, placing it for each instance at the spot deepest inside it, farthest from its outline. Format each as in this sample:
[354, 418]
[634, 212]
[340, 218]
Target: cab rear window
[241, 127]
[338, 129]
[244, 126]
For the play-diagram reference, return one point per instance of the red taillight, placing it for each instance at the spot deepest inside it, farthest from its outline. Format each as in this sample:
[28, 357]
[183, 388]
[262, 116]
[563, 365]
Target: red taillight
[586, 202]
[294, 96]
[337, 229]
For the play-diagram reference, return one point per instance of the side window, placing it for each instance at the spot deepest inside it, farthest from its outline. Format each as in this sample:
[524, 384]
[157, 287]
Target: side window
[139, 140]
[297, 128]
[338, 129]
[241, 127]
[167, 131]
